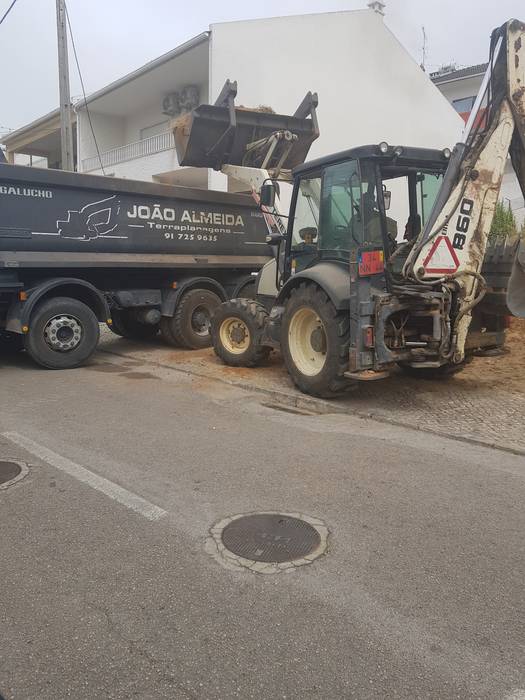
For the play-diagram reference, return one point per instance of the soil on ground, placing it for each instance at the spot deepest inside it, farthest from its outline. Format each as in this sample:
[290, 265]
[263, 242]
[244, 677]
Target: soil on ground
[506, 371]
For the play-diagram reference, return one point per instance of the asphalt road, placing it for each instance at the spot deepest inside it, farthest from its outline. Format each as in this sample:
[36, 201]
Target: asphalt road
[108, 592]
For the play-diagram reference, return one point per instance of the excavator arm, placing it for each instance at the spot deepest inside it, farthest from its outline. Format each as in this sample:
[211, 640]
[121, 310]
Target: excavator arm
[451, 248]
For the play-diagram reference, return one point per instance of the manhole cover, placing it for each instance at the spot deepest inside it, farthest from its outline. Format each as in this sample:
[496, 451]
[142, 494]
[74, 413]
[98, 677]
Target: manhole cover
[270, 537]
[9, 471]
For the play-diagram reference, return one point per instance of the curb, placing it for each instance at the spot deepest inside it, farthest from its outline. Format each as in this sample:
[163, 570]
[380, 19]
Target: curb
[320, 406]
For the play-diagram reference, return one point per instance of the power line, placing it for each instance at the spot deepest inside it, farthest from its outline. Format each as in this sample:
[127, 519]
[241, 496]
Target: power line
[8, 10]
[83, 89]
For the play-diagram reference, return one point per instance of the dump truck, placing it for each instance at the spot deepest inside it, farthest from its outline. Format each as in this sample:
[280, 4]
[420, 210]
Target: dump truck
[344, 299]
[145, 258]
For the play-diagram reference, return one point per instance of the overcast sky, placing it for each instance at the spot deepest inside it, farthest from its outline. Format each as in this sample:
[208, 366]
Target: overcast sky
[114, 37]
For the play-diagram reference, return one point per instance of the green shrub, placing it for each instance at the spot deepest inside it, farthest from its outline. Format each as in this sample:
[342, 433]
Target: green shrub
[503, 224]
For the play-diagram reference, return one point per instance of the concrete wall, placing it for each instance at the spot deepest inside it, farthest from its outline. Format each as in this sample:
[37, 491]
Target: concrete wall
[142, 168]
[455, 90]
[370, 89]
[115, 131]
[109, 131]
[152, 114]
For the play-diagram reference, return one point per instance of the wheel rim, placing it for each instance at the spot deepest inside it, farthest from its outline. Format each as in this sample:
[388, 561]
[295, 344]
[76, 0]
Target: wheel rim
[234, 335]
[307, 341]
[201, 320]
[63, 333]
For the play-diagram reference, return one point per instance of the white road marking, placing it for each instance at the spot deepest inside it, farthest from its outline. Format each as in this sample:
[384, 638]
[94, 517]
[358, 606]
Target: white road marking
[114, 491]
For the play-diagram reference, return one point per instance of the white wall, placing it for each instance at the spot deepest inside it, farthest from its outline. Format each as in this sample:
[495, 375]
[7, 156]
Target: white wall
[109, 132]
[370, 89]
[114, 131]
[152, 114]
[456, 89]
[143, 168]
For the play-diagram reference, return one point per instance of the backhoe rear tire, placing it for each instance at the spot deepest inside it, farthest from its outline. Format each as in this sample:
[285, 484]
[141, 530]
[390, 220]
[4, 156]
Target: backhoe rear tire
[315, 340]
[236, 330]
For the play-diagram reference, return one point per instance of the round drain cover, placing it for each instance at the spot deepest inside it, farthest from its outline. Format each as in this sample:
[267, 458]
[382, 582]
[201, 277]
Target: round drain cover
[270, 537]
[8, 471]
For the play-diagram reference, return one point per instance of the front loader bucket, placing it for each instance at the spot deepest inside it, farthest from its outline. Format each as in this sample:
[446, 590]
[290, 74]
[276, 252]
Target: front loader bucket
[221, 134]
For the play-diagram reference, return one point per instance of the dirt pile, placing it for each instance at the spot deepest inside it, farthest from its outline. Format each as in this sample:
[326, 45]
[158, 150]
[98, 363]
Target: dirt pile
[507, 370]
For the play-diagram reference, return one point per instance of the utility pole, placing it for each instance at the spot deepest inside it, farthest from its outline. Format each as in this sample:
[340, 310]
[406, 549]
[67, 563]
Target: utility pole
[66, 129]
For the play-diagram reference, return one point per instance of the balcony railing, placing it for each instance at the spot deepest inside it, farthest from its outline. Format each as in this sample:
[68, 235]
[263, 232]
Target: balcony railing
[139, 149]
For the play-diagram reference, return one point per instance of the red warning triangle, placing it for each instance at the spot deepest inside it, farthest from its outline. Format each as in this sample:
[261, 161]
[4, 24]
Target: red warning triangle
[442, 257]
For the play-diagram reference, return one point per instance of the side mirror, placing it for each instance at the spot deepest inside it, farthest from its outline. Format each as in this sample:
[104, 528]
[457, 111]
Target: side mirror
[387, 199]
[274, 239]
[267, 196]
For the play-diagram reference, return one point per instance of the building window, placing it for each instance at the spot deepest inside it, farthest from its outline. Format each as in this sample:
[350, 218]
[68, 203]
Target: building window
[464, 104]
[154, 129]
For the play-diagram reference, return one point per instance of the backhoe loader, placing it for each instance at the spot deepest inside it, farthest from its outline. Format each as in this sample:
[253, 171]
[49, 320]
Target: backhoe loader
[343, 299]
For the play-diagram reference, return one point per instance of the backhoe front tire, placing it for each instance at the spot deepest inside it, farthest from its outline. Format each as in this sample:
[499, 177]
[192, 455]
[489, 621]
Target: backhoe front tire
[315, 341]
[236, 330]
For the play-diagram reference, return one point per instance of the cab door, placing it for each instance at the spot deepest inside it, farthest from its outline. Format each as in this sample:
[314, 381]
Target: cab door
[303, 241]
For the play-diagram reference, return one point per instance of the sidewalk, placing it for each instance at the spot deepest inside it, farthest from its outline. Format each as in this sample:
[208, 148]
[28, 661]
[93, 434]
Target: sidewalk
[485, 403]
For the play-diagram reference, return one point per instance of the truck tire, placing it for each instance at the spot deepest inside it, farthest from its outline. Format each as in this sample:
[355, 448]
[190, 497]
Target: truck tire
[190, 325]
[63, 333]
[236, 330]
[314, 341]
[125, 325]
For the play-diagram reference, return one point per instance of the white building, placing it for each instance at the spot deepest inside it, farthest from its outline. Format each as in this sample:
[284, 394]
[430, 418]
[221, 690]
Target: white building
[370, 89]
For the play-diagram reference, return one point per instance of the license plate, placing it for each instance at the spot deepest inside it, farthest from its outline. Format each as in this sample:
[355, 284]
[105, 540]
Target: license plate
[371, 262]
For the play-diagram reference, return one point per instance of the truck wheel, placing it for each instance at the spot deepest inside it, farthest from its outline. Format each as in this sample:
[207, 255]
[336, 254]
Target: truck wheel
[190, 325]
[125, 325]
[236, 330]
[63, 333]
[314, 342]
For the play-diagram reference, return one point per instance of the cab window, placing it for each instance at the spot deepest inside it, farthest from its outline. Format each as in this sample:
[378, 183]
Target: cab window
[340, 209]
[305, 230]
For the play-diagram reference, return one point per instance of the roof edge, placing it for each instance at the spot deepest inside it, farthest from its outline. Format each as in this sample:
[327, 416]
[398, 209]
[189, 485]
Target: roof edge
[294, 15]
[40, 121]
[146, 68]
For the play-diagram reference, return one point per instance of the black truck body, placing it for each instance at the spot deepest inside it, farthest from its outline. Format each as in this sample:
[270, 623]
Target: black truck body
[130, 251]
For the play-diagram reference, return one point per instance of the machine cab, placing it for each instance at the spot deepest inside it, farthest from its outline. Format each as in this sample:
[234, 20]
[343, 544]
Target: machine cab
[359, 206]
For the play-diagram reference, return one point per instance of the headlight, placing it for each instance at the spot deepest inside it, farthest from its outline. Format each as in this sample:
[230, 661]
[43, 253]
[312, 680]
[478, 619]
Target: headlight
[447, 153]
[383, 147]
[398, 151]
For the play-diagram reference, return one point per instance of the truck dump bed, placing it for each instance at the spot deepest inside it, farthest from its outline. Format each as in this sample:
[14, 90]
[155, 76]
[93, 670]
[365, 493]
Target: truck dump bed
[51, 218]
